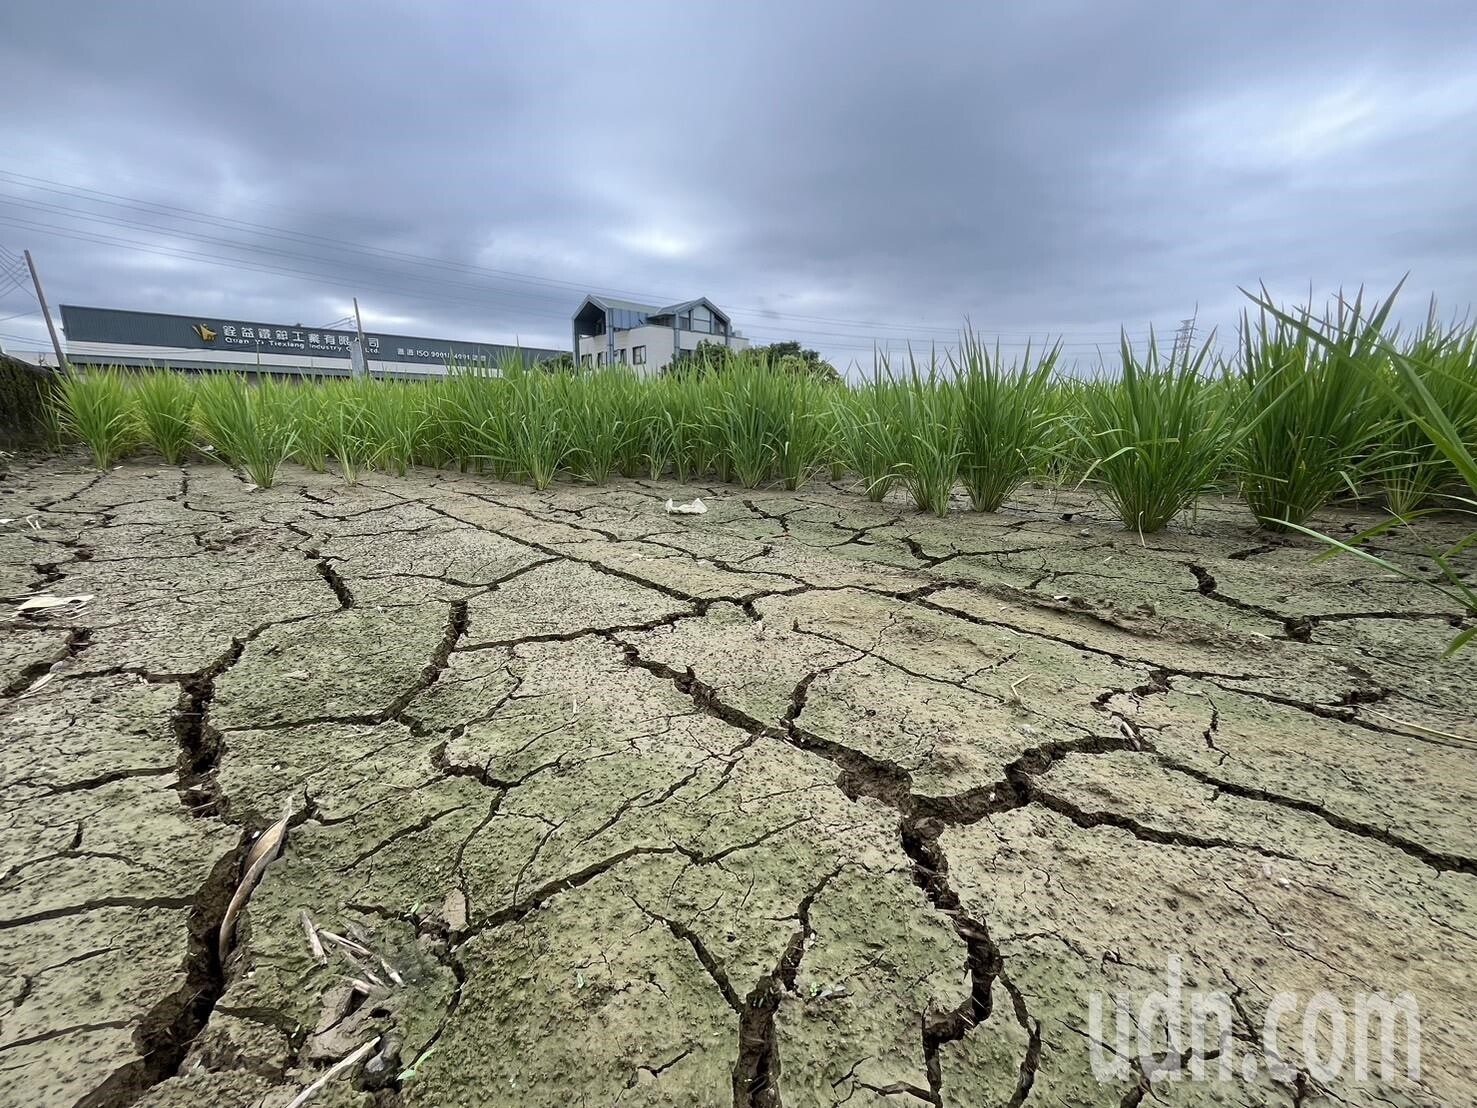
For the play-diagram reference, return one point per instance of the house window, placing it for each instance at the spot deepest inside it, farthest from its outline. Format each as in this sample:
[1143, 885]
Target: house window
[620, 355]
[600, 358]
[638, 355]
[585, 360]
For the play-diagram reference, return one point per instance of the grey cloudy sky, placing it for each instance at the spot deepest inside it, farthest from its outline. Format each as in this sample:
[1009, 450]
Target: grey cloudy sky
[839, 173]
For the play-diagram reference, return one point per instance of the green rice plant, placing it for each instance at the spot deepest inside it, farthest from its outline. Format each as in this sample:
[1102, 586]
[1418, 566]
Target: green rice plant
[804, 411]
[592, 425]
[836, 401]
[437, 440]
[1313, 409]
[629, 402]
[929, 437]
[164, 402]
[869, 435]
[348, 440]
[97, 408]
[747, 399]
[394, 420]
[1415, 469]
[249, 425]
[660, 445]
[1409, 385]
[1005, 419]
[466, 414]
[1067, 456]
[312, 439]
[535, 443]
[678, 424]
[1156, 438]
[710, 433]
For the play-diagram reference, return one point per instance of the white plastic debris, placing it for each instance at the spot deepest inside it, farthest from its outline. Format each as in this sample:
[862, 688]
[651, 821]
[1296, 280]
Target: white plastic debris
[47, 601]
[694, 508]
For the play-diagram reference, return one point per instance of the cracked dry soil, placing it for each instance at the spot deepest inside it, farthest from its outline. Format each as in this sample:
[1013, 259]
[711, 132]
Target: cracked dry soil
[807, 801]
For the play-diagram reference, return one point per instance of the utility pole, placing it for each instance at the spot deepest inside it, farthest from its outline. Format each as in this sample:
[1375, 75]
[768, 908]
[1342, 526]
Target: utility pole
[1184, 339]
[363, 358]
[56, 343]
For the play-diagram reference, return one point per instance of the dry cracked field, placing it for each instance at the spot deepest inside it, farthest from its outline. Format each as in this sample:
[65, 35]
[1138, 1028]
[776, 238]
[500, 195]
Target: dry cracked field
[806, 800]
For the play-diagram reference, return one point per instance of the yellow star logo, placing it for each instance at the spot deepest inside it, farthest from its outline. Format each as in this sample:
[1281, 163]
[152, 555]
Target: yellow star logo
[204, 332]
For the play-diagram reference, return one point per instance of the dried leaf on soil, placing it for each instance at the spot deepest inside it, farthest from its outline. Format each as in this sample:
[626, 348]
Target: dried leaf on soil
[263, 851]
[46, 602]
[338, 1068]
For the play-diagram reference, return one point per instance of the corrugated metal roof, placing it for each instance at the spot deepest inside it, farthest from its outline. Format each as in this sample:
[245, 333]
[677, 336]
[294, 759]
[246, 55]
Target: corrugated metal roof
[622, 305]
[621, 315]
[674, 309]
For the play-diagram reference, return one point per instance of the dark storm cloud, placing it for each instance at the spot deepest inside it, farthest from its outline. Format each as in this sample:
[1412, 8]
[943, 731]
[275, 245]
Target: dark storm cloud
[816, 167]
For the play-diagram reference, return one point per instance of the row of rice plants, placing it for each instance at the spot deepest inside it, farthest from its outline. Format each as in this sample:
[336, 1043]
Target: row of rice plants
[1301, 414]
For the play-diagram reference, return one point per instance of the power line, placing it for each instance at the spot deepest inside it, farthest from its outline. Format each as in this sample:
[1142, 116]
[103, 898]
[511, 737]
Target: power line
[307, 238]
[362, 284]
[281, 271]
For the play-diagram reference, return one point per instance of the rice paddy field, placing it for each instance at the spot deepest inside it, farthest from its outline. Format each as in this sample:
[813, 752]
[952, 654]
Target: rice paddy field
[382, 743]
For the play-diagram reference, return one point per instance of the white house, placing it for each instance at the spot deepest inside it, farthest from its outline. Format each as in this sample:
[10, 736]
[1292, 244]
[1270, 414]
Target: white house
[607, 331]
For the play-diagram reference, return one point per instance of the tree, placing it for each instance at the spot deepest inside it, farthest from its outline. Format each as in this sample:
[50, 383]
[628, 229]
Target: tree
[808, 363]
[563, 362]
[793, 358]
[787, 357]
[709, 357]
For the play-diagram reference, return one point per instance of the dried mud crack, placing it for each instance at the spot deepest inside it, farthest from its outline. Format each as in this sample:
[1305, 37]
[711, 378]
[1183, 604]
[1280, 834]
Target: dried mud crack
[164, 1033]
[807, 801]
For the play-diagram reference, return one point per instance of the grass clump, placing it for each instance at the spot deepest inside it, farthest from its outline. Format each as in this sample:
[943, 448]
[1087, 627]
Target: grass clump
[533, 445]
[1158, 436]
[1005, 420]
[165, 406]
[251, 426]
[869, 435]
[929, 439]
[1416, 472]
[1434, 388]
[746, 402]
[393, 420]
[596, 429]
[1312, 410]
[97, 408]
[805, 426]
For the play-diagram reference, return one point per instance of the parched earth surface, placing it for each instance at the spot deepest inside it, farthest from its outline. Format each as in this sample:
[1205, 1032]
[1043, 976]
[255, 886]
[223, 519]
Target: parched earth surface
[805, 800]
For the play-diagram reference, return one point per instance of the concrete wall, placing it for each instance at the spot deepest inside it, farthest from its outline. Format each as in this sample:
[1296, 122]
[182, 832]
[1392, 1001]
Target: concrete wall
[100, 353]
[658, 343]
